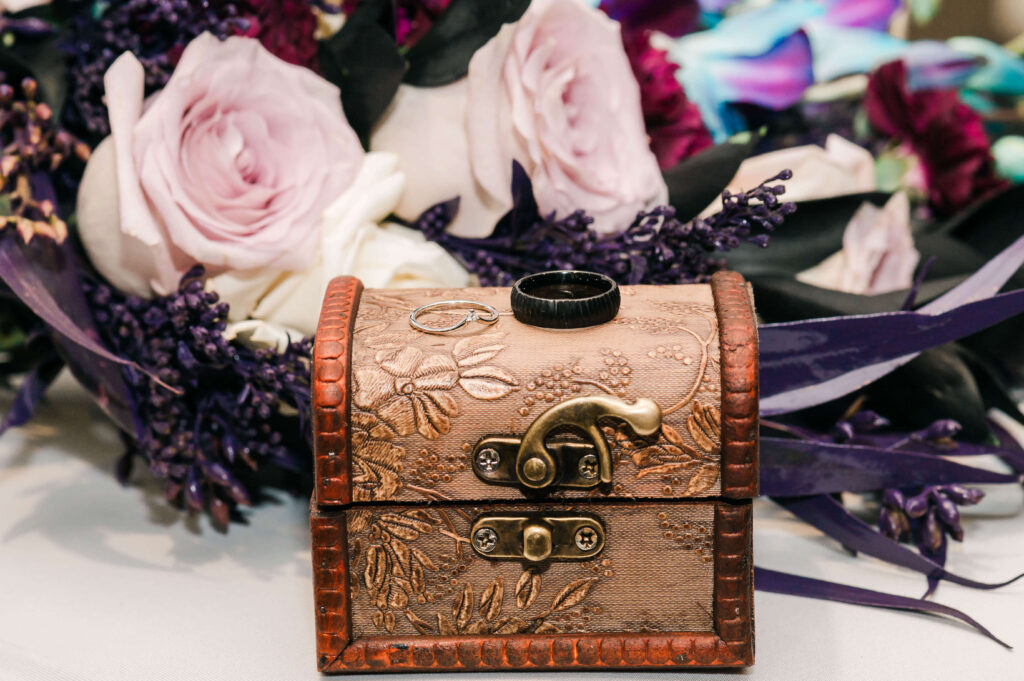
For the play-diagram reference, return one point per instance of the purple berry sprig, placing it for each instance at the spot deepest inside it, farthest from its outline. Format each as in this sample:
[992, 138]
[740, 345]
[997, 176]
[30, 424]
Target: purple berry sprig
[155, 31]
[222, 415]
[656, 248]
[927, 517]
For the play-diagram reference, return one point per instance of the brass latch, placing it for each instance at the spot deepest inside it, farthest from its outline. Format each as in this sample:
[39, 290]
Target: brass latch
[538, 537]
[535, 464]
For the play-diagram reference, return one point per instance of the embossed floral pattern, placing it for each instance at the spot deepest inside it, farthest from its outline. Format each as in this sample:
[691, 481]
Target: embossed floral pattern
[399, 578]
[669, 454]
[408, 390]
[376, 460]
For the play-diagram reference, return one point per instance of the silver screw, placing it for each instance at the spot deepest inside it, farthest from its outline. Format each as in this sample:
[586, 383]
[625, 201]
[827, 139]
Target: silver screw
[485, 540]
[588, 467]
[488, 459]
[586, 538]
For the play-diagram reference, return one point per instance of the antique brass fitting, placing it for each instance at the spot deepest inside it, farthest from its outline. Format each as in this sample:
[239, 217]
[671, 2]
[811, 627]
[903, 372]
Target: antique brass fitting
[537, 537]
[535, 464]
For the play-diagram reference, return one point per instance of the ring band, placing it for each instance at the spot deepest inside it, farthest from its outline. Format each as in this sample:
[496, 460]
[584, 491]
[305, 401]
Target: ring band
[471, 316]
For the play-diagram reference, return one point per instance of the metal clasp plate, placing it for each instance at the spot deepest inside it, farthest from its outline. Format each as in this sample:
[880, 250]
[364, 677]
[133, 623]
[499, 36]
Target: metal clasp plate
[536, 537]
[534, 463]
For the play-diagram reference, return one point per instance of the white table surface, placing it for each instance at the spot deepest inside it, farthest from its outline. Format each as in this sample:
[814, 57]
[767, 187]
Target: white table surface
[99, 582]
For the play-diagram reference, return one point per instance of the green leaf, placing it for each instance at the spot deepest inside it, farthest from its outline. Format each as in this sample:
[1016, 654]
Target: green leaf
[442, 55]
[363, 60]
[41, 59]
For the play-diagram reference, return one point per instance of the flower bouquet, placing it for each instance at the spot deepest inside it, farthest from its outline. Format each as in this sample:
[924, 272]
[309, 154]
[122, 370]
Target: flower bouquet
[180, 180]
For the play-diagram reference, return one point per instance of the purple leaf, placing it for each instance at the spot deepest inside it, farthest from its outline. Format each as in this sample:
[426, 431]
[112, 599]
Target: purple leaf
[33, 387]
[815, 361]
[20, 274]
[797, 467]
[47, 277]
[772, 581]
[828, 515]
[818, 389]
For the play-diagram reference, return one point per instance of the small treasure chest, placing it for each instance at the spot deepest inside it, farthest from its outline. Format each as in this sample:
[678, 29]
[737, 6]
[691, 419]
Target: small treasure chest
[506, 495]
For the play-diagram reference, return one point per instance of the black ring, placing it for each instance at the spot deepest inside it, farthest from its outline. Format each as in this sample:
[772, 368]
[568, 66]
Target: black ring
[565, 299]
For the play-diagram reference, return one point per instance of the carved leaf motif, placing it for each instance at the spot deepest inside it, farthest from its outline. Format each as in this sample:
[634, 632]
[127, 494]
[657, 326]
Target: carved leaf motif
[445, 626]
[420, 625]
[644, 457]
[423, 515]
[488, 382]
[527, 588]
[376, 567]
[400, 566]
[358, 521]
[478, 627]
[490, 600]
[391, 519]
[378, 619]
[389, 621]
[673, 436]
[702, 480]
[474, 350]
[399, 599]
[402, 532]
[416, 580]
[547, 628]
[571, 595]
[665, 468]
[462, 608]
[509, 625]
[381, 599]
[423, 559]
[704, 426]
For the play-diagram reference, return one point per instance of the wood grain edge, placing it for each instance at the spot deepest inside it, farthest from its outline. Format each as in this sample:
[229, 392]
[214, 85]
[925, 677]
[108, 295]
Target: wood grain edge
[332, 362]
[734, 578]
[740, 392]
[523, 652]
[330, 583]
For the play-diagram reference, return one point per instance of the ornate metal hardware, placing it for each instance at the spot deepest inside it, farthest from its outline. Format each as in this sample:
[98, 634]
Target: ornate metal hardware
[533, 463]
[537, 537]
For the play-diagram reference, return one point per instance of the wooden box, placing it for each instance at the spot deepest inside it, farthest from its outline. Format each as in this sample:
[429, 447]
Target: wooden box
[650, 569]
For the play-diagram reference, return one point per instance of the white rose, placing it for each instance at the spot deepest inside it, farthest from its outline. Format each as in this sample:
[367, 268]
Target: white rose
[352, 243]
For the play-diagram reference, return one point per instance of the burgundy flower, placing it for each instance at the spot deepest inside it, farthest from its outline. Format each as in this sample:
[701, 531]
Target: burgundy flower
[286, 28]
[947, 136]
[413, 18]
[673, 122]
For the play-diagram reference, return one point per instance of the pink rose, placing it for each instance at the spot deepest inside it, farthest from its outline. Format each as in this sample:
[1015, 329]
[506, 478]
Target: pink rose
[230, 165]
[878, 253]
[553, 91]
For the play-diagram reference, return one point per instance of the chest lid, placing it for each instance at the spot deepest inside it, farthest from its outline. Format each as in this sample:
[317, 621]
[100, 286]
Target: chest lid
[660, 402]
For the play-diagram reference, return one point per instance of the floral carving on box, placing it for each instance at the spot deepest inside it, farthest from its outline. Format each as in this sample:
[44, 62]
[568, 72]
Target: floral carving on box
[435, 396]
[412, 571]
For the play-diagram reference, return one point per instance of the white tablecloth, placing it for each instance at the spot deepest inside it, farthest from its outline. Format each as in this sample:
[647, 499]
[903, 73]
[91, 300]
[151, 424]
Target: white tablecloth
[99, 582]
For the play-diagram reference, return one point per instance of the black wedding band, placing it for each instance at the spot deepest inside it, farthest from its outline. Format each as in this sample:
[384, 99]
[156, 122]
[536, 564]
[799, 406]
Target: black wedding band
[565, 299]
